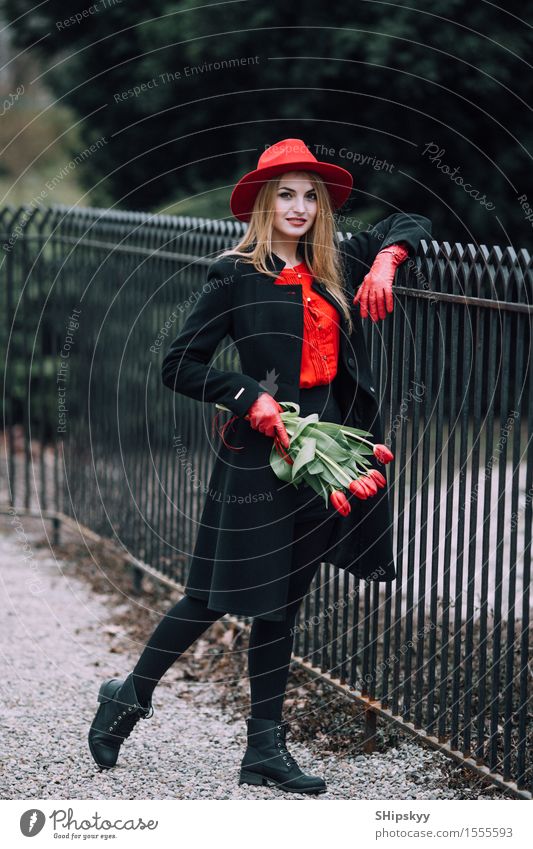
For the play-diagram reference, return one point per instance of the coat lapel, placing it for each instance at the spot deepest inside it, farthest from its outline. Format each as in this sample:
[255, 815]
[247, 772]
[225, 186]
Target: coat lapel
[288, 290]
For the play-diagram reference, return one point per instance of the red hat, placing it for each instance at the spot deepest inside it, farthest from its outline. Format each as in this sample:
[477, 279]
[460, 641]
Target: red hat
[288, 155]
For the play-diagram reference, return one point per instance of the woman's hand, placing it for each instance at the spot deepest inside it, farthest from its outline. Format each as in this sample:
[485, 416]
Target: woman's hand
[264, 416]
[375, 292]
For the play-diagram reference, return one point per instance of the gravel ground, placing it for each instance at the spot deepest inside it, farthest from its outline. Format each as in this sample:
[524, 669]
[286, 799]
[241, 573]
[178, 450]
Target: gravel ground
[70, 620]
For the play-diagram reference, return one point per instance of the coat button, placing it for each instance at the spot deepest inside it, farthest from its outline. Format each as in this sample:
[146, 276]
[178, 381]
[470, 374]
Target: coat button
[351, 361]
[371, 388]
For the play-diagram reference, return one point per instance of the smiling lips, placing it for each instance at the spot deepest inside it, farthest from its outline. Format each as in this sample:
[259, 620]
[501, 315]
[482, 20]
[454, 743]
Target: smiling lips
[297, 221]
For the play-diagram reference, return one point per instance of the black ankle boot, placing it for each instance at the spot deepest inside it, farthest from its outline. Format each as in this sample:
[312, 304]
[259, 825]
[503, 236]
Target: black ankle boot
[119, 711]
[267, 761]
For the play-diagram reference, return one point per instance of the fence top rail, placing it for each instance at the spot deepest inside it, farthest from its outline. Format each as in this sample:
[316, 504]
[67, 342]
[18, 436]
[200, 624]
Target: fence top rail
[499, 275]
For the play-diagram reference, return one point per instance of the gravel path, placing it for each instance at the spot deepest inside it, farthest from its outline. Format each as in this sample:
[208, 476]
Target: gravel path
[59, 641]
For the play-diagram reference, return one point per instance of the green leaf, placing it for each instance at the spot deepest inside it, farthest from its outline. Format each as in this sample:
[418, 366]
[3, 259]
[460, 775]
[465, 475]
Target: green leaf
[280, 467]
[325, 492]
[310, 419]
[327, 444]
[293, 404]
[316, 467]
[331, 427]
[329, 477]
[320, 488]
[306, 454]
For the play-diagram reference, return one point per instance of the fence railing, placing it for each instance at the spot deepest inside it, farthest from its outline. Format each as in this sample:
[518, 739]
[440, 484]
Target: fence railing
[90, 300]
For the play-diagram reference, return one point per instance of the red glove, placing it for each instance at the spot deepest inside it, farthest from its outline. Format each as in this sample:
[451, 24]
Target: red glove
[375, 292]
[264, 415]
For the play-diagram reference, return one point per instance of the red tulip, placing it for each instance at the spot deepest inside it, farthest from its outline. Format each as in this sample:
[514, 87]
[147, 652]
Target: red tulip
[358, 489]
[383, 454]
[340, 502]
[378, 477]
[366, 488]
[370, 484]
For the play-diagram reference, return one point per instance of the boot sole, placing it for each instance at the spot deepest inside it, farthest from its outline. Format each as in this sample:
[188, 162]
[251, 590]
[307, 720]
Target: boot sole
[247, 777]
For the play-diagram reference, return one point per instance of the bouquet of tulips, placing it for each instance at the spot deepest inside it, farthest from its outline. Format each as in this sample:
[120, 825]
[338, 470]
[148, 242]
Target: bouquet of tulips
[331, 458]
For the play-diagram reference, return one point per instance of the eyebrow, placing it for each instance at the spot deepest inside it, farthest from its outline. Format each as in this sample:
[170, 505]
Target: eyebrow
[293, 190]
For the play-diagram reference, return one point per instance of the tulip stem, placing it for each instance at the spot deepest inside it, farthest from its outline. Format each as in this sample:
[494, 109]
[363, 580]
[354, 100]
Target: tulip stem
[333, 465]
[354, 436]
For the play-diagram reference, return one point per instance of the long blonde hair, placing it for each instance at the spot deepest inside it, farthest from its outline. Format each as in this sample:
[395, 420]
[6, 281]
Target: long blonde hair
[319, 245]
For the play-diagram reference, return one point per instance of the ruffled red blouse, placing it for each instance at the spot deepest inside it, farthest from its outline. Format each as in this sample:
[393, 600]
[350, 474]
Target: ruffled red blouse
[320, 345]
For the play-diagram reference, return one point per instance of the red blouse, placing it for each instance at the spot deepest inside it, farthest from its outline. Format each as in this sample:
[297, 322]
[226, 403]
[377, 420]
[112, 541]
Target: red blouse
[320, 345]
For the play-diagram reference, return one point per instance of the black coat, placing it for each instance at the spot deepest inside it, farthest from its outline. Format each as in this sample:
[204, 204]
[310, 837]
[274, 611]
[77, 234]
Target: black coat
[241, 559]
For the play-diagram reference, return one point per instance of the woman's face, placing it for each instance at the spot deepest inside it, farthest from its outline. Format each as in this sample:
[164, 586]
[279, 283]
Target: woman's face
[295, 205]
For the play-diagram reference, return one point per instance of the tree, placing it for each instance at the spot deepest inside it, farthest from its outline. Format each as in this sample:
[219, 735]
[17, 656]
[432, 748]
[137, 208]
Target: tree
[413, 100]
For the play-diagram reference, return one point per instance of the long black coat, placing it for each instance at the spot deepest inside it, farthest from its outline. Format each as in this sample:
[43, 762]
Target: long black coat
[241, 559]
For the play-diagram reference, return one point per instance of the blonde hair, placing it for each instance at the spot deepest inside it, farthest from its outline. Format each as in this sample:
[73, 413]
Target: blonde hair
[319, 245]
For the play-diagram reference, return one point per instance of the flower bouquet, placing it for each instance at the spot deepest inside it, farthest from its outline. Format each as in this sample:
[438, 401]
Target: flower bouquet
[331, 458]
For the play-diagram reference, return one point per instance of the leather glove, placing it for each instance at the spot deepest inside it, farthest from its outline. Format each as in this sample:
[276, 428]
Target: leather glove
[375, 292]
[264, 416]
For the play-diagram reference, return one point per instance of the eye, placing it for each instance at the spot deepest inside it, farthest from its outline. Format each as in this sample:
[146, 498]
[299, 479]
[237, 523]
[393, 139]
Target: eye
[310, 196]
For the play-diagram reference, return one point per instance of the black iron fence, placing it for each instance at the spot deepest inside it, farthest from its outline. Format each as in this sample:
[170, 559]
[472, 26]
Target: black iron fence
[90, 301]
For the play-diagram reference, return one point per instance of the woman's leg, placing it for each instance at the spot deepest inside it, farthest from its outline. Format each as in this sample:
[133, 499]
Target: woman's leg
[178, 629]
[270, 646]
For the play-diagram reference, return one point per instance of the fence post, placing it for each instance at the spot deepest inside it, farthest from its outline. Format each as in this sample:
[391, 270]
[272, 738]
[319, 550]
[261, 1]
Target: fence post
[56, 536]
[137, 579]
[369, 742]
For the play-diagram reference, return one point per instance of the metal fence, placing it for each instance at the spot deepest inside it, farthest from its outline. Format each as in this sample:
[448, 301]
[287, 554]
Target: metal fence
[91, 299]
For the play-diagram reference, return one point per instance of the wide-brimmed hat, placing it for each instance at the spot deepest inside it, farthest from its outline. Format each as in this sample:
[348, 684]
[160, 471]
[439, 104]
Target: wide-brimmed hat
[288, 155]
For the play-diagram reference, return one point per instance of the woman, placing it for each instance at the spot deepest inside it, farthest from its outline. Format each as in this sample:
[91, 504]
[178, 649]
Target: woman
[286, 295]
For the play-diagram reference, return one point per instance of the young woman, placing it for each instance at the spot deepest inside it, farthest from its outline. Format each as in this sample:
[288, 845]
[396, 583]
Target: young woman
[291, 296]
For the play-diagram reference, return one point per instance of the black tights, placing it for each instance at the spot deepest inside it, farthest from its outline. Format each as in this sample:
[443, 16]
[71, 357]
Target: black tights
[270, 644]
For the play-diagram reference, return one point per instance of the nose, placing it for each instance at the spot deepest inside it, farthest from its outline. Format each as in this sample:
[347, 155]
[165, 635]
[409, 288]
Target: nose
[299, 206]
